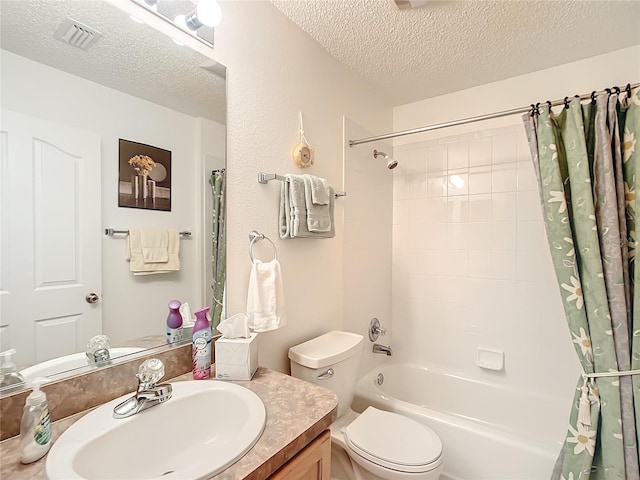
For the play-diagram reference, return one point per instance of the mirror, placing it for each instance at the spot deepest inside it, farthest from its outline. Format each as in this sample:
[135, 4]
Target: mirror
[66, 104]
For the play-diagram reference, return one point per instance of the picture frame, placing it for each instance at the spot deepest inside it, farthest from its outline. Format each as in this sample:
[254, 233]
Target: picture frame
[144, 176]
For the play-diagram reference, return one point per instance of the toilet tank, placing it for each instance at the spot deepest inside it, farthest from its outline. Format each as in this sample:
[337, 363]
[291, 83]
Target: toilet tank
[330, 360]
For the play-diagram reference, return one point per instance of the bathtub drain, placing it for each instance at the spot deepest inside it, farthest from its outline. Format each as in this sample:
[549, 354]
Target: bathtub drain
[380, 379]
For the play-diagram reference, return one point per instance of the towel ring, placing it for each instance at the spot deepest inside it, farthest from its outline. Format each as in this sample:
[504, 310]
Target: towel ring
[255, 237]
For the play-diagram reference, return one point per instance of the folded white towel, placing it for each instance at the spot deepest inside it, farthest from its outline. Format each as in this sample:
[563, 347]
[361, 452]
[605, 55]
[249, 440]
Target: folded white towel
[293, 210]
[137, 264]
[318, 219]
[285, 213]
[319, 189]
[155, 245]
[265, 297]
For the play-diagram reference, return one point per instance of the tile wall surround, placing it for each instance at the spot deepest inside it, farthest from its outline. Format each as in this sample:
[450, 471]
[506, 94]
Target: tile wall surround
[471, 265]
[81, 392]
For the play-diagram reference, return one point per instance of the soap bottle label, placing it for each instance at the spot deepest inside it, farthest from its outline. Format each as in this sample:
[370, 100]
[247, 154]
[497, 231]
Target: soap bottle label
[42, 433]
[202, 354]
[174, 334]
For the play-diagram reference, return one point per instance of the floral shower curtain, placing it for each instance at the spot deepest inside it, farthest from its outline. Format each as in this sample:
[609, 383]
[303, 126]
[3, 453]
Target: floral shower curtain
[586, 162]
[218, 245]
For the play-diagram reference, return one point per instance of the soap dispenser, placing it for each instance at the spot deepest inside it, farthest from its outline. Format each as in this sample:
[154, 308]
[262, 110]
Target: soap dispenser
[9, 375]
[174, 322]
[35, 427]
[201, 346]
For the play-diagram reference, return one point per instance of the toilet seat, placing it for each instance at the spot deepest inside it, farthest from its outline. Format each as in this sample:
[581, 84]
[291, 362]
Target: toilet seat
[394, 442]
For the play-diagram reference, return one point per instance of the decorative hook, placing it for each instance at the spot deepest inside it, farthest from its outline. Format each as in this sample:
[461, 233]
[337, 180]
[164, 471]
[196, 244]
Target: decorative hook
[566, 102]
[617, 89]
[533, 110]
[628, 90]
[550, 105]
[593, 97]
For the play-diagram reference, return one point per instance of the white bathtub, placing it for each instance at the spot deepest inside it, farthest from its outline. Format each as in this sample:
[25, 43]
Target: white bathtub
[488, 432]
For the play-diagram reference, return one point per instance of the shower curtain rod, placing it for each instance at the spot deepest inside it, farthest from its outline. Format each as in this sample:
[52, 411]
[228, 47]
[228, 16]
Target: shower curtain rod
[489, 116]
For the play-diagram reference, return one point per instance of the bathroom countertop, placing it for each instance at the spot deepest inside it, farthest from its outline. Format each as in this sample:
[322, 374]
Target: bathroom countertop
[297, 412]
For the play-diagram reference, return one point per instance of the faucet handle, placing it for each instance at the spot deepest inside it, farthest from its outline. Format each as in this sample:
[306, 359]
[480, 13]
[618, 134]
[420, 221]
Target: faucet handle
[98, 349]
[375, 330]
[150, 372]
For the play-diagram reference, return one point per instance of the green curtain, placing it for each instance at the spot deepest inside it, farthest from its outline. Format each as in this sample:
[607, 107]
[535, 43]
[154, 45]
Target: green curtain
[586, 160]
[218, 246]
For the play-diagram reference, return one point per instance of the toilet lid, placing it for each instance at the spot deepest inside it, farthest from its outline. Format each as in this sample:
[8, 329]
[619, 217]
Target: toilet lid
[393, 441]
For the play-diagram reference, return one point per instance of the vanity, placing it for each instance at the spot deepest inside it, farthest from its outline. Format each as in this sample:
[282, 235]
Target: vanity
[295, 443]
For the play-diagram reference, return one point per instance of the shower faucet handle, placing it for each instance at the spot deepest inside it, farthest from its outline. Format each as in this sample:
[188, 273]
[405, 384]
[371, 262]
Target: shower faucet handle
[376, 330]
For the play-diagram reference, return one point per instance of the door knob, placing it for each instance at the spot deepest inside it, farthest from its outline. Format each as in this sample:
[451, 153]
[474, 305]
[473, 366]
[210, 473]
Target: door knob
[92, 298]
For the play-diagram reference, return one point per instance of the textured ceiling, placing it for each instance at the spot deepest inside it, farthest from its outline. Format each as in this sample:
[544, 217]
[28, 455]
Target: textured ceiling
[130, 57]
[446, 46]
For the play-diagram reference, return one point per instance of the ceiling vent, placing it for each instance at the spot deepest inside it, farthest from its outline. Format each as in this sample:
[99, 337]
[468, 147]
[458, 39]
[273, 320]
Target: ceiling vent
[76, 34]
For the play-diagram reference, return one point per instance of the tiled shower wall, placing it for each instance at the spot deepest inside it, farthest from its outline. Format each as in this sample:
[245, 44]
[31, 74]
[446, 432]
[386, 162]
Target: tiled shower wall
[471, 266]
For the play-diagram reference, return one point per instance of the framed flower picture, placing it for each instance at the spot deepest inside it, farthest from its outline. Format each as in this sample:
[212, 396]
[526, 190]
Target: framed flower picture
[144, 179]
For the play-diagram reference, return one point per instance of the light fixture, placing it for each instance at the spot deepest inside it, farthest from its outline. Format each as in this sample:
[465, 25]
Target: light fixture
[207, 13]
[189, 16]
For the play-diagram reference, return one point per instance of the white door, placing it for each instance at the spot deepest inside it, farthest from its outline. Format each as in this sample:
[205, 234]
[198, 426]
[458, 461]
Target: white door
[50, 252]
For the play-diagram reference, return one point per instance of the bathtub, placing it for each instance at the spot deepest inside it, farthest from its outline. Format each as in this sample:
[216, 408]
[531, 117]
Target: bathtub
[488, 432]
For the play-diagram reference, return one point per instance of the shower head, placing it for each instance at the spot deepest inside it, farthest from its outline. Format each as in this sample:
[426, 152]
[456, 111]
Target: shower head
[391, 163]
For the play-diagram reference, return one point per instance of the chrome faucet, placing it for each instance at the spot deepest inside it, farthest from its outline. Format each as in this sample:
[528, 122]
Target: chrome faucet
[377, 348]
[149, 394]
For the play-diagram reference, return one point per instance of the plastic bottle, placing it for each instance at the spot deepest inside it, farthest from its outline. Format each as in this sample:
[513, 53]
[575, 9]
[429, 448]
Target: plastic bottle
[174, 322]
[35, 427]
[201, 346]
[9, 375]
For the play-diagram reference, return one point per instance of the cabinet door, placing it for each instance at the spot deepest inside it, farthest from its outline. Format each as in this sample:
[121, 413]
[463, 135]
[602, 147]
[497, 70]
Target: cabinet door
[312, 463]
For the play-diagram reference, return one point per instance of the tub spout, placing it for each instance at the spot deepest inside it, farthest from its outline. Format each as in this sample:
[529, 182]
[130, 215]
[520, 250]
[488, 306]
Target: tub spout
[377, 348]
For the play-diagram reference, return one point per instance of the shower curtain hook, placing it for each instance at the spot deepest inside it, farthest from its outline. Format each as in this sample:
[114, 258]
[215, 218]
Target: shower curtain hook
[566, 102]
[593, 97]
[617, 89]
[628, 89]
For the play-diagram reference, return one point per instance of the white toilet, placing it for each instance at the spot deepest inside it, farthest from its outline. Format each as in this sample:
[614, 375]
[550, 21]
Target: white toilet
[383, 445]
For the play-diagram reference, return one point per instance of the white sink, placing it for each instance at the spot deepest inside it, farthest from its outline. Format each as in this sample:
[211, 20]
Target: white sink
[206, 426]
[70, 362]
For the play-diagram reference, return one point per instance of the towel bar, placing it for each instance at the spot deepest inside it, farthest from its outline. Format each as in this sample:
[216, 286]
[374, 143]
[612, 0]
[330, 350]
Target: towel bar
[264, 177]
[112, 231]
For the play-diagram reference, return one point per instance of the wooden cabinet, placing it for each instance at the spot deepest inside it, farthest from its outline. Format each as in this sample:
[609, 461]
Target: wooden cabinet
[311, 463]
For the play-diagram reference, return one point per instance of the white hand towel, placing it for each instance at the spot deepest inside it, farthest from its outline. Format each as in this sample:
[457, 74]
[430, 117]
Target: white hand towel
[319, 189]
[265, 297]
[155, 245]
[138, 266]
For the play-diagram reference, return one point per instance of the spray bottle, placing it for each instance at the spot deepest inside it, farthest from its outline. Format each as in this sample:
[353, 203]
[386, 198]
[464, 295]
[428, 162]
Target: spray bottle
[35, 427]
[201, 346]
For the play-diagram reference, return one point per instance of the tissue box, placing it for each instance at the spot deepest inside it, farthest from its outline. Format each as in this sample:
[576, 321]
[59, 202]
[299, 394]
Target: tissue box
[236, 358]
